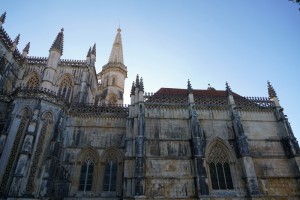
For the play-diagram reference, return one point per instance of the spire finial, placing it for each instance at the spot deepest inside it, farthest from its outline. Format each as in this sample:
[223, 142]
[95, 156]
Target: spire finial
[58, 43]
[94, 50]
[228, 89]
[141, 84]
[2, 18]
[26, 49]
[189, 86]
[132, 89]
[116, 55]
[271, 91]
[137, 81]
[17, 39]
[89, 52]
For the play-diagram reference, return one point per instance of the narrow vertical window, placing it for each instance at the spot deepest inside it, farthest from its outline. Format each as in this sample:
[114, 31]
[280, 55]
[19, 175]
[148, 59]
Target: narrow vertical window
[86, 175]
[110, 176]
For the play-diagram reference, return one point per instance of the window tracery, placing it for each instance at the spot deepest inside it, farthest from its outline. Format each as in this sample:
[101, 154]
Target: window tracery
[219, 168]
[65, 87]
[33, 81]
[110, 176]
[86, 174]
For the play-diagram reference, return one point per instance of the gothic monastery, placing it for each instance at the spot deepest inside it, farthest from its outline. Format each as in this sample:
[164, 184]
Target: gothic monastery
[65, 134]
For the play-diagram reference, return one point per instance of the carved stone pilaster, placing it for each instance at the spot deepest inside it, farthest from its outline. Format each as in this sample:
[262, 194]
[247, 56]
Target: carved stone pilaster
[199, 143]
[139, 165]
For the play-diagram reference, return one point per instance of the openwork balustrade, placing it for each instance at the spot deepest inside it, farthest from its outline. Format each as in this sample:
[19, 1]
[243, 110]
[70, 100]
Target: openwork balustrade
[254, 103]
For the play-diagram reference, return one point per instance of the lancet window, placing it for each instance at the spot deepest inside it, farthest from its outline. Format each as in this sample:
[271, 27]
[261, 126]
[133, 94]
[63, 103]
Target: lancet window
[219, 168]
[110, 176]
[86, 174]
[65, 87]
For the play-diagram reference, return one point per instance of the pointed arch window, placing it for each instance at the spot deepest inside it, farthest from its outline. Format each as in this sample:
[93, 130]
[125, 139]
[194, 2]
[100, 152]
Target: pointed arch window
[86, 174]
[219, 168]
[110, 176]
[65, 87]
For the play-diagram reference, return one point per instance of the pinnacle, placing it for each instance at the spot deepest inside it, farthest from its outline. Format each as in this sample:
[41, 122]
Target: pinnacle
[2, 17]
[17, 39]
[89, 52]
[94, 50]
[271, 90]
[141, 84]
[26, 49]
[58, 43]
[228, 89]
[132, 89]
[189, 86]
[137, 81]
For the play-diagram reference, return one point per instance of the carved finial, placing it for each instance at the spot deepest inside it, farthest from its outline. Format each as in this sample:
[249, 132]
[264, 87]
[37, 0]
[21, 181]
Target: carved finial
[141, 84]
[189, 86]
[94, 50]
[271, 91]
[17, 39]
[210, 87]
[58, 43]
[89, 52]
[2, 18]
[26, 49]
[137, 81]
[132, 89]
[228, 89]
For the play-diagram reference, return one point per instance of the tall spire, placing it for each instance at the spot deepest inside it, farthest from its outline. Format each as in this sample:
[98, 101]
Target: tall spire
[271, 91]
[2, 18]
[58, 43]
[116, 55]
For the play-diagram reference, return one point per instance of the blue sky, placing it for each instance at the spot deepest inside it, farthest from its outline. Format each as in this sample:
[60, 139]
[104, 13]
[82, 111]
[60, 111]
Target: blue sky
[168, 42]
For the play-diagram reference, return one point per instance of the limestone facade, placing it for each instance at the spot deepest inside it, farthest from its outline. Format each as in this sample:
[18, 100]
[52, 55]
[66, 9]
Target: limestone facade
[65, 134]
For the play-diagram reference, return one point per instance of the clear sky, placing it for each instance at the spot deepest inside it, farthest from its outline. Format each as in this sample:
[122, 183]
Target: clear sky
[168, 42]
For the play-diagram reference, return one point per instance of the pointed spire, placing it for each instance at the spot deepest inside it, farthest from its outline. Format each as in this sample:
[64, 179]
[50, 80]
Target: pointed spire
[89, 52]
[189, 86]
[26, 49]
[141, 84]
[58, 43]
[2, 18]
[116, 55]
[94, 50]
[132, 89]
[271, 91]
[17, 39]
[228, 89]
[137, 81]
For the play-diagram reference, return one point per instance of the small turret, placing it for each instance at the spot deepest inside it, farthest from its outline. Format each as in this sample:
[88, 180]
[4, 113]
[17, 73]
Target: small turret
[26, 50]
[15, 43]
[2, 18]
[55, 53]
